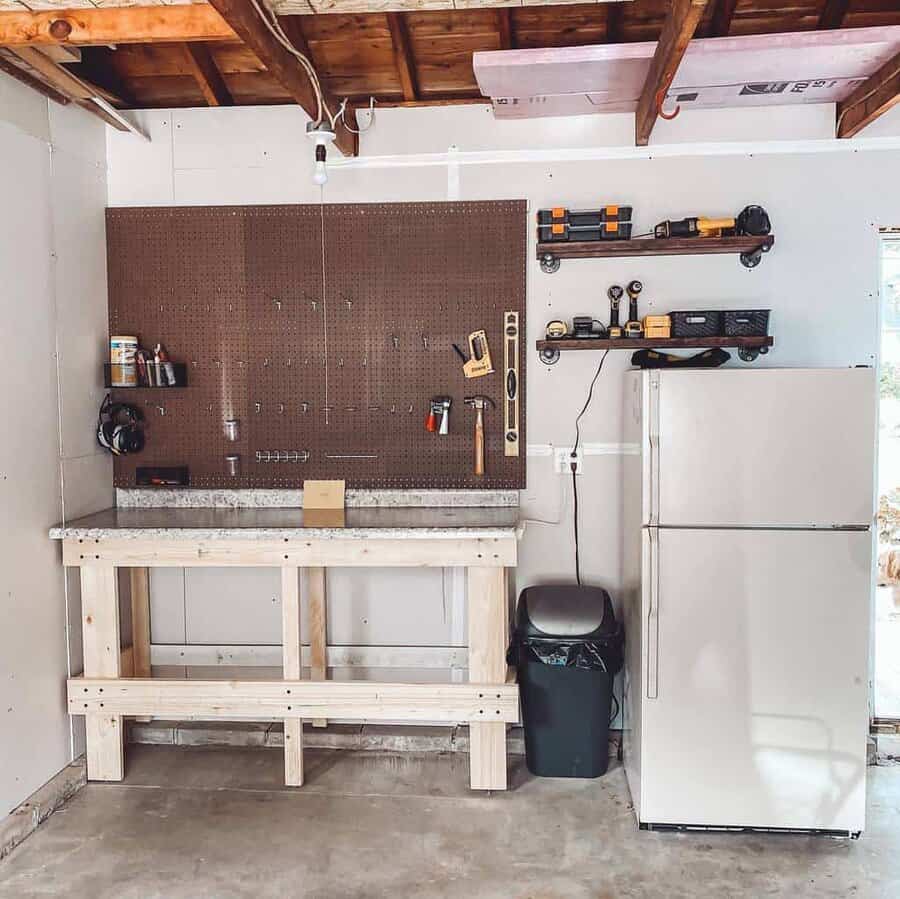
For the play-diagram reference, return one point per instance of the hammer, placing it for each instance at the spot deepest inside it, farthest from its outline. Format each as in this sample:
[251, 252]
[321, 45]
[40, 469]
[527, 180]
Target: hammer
[479, 403]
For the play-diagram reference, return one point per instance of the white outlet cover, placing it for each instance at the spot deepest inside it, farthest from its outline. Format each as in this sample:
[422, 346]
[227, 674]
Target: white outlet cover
[562, 456]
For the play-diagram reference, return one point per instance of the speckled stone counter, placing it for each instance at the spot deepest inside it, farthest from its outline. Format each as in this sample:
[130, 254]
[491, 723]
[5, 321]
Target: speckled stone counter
[286, 523]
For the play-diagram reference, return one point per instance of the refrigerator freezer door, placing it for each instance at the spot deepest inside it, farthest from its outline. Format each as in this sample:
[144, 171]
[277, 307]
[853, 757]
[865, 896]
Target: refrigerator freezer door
[759, 717]
[762, 448]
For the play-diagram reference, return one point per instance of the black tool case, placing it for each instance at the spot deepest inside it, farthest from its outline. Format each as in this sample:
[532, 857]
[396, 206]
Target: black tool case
[606, 223]
[697, 323]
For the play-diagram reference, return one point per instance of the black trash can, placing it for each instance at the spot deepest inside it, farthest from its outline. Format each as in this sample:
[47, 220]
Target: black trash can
[567, 648]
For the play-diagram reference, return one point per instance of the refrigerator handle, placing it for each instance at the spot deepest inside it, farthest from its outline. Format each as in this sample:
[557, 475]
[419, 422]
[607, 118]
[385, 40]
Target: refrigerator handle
[652, 642]
[653, 441]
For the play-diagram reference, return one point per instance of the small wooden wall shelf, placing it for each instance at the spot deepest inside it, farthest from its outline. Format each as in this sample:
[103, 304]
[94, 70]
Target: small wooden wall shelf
[749, 347]
[749, 248]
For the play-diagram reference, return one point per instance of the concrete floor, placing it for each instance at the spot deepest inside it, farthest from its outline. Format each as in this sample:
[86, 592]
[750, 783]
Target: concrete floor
[216, 822]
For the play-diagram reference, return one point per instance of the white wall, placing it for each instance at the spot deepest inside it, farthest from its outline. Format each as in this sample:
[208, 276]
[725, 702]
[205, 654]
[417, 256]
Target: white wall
[52, 336]
[821, 280]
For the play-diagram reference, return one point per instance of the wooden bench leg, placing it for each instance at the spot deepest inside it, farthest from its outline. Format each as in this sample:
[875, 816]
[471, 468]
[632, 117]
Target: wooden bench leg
[140, 620]
[293, 727]
[318, 630]
[488, 634]
[102, 658]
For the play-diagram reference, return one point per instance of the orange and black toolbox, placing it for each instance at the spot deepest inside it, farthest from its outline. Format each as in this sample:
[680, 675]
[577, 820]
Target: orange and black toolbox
[605, 223]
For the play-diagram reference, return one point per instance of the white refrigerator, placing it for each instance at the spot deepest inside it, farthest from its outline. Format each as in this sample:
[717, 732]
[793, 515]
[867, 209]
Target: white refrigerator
[748, 569]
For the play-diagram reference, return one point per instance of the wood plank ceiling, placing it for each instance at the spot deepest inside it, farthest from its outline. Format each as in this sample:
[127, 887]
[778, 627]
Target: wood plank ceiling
[423, 56]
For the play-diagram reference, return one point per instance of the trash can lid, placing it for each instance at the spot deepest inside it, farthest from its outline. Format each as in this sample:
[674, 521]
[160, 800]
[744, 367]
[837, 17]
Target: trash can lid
[565, 610]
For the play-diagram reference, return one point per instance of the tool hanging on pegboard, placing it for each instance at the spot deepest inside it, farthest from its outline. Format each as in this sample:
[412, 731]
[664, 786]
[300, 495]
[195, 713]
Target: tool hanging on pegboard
[479, 403]
[511, 383]
[478, 363]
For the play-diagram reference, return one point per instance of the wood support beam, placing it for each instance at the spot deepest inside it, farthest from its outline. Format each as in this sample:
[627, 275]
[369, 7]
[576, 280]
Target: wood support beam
[282, 65]
[114, 25]
[723, 13]
[505, 28]
[614, 14]
[208, 77]
[872, 98]
[318, 629]
[833, 13]
[64, 82]
[406, 69]
[29, 80]
[677, 31]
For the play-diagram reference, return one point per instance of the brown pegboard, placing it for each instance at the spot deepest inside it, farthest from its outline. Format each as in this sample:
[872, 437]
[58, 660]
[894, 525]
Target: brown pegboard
[262, 301]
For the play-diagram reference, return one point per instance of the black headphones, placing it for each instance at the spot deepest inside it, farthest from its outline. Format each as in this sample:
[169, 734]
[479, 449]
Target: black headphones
[118, 428]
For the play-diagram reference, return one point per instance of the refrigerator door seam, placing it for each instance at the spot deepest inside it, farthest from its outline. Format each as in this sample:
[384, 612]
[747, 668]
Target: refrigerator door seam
[653, 619]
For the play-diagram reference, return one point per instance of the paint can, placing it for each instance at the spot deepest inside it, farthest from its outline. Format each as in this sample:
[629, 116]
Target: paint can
[122, 356]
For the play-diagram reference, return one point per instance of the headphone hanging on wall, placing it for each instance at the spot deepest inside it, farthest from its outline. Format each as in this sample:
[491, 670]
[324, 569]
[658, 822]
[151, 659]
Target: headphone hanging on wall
[118, 428]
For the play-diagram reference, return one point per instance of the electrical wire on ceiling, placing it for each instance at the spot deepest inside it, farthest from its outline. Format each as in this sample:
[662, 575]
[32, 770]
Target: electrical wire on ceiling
[270, 20]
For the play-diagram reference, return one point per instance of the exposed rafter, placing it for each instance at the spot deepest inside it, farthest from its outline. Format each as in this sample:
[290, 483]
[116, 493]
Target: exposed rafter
[615, 12]
[29, 80]
[282, 65]
[678, 29]
[505, 28]
[64, 82]
[722, 15]
[833, 13]
[871, 99]
[406, 69]
[209, 79]
[114, 25]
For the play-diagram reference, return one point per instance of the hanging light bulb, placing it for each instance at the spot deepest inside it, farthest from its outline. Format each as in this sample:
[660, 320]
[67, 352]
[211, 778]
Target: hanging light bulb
[323, 135]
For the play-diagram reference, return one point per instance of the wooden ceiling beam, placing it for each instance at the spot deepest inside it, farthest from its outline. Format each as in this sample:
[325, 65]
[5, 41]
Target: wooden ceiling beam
[677, 31]
[871, 99]
[207, 75]
[506, 30]
[723, 13]
[31, 81]
[113, 25]
[406, 68]
[615, 13]
[282, 65]
[63, 81]
[833, 13]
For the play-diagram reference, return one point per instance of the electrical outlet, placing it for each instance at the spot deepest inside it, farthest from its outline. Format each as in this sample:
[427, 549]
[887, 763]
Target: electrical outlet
[562, 457]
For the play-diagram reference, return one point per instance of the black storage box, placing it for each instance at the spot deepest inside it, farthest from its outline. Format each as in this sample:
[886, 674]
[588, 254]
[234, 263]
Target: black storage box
[746, 322]
[568, 649]
[701, 323]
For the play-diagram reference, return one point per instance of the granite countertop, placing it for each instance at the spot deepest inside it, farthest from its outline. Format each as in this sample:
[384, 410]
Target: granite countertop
[285, 523]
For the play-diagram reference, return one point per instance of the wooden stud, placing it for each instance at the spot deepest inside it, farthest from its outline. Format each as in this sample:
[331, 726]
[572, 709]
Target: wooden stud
[102, 659]
[505, 28]
[721, 19]
[874, 97]
[227, 551]
[678, 29]
[293, 726]
[203, 67]
[615, 12]
[403, 56]
[318, 637]
[140, 620]
[833, 13]
[114, 25]
[274, 700]
[488, 622]
[283, 67]
[29, 80]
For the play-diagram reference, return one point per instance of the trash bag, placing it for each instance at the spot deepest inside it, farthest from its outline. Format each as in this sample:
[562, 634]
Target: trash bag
[598, 654]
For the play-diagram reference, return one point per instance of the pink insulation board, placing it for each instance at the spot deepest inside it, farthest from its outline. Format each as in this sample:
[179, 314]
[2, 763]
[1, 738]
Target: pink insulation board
[756, 70]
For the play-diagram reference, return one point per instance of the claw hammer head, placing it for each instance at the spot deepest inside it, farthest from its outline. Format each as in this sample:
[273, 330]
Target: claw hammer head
[479, 403]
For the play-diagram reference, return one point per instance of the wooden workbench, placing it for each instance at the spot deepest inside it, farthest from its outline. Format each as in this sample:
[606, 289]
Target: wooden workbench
[481, 540]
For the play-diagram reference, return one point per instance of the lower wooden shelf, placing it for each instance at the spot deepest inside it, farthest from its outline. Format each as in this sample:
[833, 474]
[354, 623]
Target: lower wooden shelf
[749, 347]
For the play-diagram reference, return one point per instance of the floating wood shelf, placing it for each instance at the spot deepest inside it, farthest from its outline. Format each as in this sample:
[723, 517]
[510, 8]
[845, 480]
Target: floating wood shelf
[749, 347]
[749, 248]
